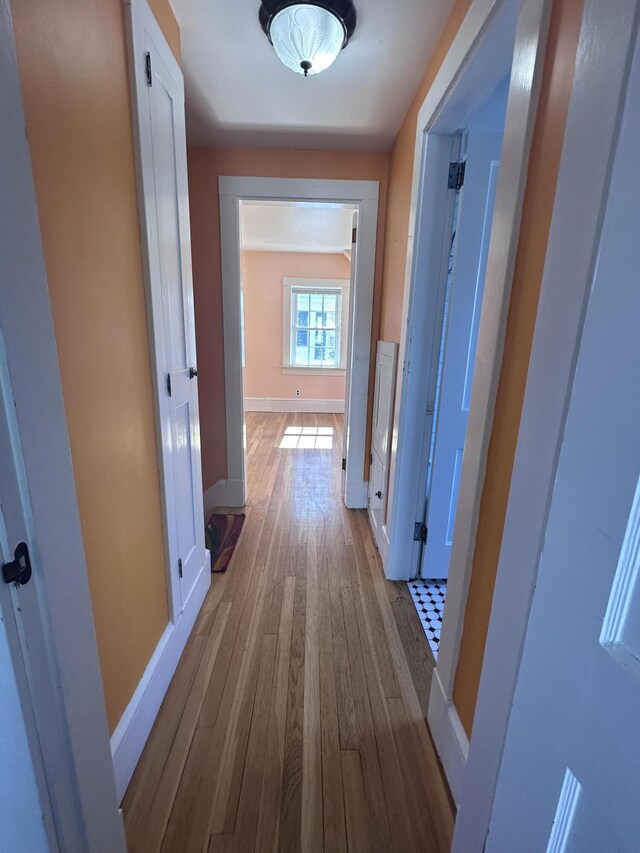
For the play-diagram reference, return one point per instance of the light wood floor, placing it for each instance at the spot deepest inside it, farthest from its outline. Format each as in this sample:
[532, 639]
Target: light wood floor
[295, 720]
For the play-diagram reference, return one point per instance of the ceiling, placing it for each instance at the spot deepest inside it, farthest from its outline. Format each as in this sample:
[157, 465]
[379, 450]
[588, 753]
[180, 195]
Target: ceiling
[239, 93]
[296, 227]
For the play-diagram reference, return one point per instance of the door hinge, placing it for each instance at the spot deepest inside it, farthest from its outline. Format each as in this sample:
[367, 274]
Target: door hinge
[18, 571]
[147, 68]
[354, 234]
[420, 532]
[179, 568]
[371, 459]
[344, 464]
[456, 175]
[169, 384]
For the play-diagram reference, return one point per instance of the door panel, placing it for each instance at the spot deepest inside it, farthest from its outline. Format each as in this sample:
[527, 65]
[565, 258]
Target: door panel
[467, 285]
[383, 400]
[163, 146]
[572, 755]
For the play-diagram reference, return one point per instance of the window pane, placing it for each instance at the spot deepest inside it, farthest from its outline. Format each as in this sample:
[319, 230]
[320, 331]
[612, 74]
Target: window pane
[316, 301]
[330, 302]
[303, 301]
[302, 318]
[302, 339]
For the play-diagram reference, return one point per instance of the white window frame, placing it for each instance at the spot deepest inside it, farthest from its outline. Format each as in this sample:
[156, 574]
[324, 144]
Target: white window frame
[315, 285]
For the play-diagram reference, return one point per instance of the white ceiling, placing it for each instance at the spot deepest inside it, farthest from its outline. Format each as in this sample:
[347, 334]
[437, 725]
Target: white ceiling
[239, 93]
[296, 227]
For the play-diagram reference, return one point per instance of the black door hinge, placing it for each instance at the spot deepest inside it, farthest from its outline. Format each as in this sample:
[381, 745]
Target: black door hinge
[354, 234]
[169, 384]
[147, 68]
[420, 532]
[179, 568]
[344, 464]
[456, 175]
[371, 459]
[18, 571]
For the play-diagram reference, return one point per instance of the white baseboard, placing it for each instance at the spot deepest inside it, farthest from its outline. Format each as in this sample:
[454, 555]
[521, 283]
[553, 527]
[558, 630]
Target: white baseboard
[293, 404]
[215, 496]
[130, 736]
[356, 494]
[449, 737]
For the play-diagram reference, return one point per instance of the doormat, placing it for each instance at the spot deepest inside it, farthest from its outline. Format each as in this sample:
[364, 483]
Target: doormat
[221, 537]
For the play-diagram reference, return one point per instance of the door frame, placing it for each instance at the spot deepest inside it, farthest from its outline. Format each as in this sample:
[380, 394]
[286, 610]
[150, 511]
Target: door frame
[598, 86]
[479, 57]
[49, 499]
[233, 190]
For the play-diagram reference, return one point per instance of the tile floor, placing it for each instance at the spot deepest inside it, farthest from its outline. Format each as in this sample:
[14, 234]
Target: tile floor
[428, 597]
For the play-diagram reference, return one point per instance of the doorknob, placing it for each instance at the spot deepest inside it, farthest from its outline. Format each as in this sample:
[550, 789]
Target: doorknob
[379, 495]
[192, 372]
[18, 571]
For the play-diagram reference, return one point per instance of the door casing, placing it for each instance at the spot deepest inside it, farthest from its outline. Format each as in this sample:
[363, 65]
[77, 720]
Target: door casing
[495, 37]
[364, 194]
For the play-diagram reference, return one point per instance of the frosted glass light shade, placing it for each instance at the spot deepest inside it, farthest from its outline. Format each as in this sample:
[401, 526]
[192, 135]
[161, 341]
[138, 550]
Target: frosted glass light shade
[307, 38]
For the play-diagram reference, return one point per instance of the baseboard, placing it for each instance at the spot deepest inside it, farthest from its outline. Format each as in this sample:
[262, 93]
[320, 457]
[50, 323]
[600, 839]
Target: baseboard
[293, 404]
[383, 545]
[215, 496]
[130, 736]
[449, 737]
[356, 494]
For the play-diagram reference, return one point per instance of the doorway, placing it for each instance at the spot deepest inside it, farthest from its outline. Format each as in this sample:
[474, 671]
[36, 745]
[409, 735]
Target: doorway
[338, 347]
[472, 182]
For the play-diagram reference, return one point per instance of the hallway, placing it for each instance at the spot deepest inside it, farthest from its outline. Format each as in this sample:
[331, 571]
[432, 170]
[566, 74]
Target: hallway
[295, 720]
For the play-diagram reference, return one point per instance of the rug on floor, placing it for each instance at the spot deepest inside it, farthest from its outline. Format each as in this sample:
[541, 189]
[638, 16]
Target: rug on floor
[221, 537]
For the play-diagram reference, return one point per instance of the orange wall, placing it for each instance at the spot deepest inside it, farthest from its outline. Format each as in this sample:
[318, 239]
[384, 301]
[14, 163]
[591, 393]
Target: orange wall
[536, 220]
[262, 274]
[72, 59]
[205, 166]
[399, 192]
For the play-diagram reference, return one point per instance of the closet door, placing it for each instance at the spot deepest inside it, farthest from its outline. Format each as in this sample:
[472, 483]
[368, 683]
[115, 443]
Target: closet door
[159, 97]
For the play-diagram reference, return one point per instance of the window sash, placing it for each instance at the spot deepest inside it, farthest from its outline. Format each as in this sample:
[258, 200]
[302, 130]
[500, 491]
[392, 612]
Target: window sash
[312, 346]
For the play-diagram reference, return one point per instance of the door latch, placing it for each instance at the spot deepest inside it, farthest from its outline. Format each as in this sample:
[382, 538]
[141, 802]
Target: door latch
[18, 571]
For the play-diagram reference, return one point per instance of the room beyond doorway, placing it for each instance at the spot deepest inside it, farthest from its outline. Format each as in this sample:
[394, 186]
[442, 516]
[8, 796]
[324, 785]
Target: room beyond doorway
[296, 268]
[361, 196]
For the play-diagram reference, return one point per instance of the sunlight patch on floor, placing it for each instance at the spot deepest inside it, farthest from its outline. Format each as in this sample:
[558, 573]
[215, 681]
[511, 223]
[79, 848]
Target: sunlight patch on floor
[307, 438]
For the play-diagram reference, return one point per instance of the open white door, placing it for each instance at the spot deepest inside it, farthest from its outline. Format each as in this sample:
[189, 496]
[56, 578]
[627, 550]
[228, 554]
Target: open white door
[570, 775]
[382, 425]
[462, 317]
[159, 92]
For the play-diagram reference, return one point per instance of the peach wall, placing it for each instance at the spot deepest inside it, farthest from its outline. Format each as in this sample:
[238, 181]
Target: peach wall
[262, 275]
[73, 68]
[536, 220]
[399, 191]
[206, 164]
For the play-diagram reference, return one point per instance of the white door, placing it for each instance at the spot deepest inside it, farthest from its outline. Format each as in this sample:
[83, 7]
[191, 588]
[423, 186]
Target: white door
[22, 814]
[462, 318]
[347, 387]
[23, 635]
[160, 101]
[570, 775]
[386, 368]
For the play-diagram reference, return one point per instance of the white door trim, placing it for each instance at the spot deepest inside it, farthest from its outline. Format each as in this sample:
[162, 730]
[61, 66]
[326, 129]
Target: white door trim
[132, 731]
[232, 191]
[54, 533]
[474, 59]
[600, 77]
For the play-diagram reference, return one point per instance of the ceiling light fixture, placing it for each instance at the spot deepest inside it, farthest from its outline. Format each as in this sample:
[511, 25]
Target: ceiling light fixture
[308, 36]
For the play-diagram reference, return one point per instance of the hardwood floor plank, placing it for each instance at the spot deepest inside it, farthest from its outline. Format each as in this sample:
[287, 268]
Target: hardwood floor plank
[296, 719]
[354, 802]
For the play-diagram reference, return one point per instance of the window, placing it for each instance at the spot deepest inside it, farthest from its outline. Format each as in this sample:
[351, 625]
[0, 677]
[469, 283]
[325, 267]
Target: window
[315, 324]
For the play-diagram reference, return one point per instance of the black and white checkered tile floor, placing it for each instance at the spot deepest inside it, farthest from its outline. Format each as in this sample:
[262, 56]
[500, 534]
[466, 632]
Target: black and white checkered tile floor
[428, 597]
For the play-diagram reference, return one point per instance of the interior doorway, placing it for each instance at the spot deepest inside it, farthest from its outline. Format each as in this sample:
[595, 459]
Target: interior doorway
[296, 276]
[322, 322]
[472, 182]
